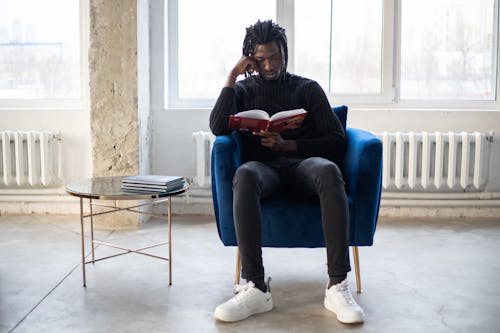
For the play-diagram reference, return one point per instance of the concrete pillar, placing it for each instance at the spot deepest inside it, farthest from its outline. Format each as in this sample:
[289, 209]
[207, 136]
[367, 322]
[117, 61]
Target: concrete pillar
[113, 96]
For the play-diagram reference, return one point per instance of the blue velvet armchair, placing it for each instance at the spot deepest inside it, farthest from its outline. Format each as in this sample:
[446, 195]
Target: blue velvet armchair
[293, 221]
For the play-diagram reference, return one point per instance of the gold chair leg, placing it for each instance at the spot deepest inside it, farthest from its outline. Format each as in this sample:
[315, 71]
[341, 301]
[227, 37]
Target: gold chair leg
[355, 254]
[238, 267]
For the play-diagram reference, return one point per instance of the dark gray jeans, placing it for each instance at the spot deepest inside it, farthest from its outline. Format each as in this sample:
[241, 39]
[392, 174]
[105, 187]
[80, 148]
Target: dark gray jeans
[312, 176]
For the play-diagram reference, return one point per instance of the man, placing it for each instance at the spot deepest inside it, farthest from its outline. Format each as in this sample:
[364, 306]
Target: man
[308, 153]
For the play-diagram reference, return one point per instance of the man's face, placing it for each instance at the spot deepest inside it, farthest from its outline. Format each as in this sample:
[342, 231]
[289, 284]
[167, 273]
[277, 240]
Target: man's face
[269, 60]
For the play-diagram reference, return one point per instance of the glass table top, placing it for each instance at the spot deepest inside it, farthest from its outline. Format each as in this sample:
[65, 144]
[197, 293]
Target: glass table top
[109, 188]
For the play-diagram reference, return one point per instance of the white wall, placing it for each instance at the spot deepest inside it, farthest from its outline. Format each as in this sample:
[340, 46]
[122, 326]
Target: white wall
[173, 145]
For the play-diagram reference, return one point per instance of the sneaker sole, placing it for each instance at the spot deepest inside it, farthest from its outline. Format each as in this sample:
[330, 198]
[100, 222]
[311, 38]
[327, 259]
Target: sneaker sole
[345, 320]
[228, 319]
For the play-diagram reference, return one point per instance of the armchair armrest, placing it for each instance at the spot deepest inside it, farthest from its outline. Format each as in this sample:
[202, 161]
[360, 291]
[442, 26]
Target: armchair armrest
[362, 169]
[225, 159]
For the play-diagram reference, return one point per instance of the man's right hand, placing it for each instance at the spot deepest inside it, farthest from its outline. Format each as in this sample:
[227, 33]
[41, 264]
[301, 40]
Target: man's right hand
[245, 63]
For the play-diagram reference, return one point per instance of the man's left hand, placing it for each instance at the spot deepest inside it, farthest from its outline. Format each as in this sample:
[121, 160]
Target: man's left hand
[274, 141]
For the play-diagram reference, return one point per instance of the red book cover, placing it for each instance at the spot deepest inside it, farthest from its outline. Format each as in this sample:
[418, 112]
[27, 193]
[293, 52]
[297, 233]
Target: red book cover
[257, 120]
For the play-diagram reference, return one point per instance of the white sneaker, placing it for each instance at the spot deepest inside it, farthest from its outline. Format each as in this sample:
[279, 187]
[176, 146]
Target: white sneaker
[249, 300]
[338, 299]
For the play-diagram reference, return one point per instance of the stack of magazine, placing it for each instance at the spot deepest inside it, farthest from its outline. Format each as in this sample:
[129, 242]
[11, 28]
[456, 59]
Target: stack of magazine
[152, 183]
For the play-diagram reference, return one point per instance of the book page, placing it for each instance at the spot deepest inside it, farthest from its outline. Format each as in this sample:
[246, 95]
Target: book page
[287, 113]
[254, 114]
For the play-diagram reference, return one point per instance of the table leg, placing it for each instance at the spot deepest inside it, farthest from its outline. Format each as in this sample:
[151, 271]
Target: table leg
[83, 242]
[92, 229]
[169, 241]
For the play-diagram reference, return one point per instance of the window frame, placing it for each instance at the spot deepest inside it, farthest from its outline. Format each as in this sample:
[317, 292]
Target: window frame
[62, 103]
[445, 103]
[388, 98]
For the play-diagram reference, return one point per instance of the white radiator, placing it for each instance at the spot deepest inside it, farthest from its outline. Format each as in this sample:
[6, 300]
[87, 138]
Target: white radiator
[29, 159]
[435, 161]
[203, 146]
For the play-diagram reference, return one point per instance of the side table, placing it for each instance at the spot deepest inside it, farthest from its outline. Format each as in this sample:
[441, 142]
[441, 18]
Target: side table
[108, 188]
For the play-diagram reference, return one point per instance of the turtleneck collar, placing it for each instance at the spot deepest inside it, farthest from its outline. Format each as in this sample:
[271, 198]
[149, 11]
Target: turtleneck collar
[262, 81]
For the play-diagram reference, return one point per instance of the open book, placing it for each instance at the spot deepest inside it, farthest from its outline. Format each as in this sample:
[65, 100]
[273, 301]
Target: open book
[256, 120]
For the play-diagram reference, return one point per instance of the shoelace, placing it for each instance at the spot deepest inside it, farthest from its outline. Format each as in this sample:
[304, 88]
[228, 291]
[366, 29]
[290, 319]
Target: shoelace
[241, 287]
[242, 292]
[344, 290]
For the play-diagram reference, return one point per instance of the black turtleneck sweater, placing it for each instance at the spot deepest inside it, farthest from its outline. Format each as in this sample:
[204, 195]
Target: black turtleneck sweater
[321, 133]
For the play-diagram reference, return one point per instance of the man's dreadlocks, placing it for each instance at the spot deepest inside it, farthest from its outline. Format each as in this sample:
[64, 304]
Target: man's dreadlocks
[263, 33]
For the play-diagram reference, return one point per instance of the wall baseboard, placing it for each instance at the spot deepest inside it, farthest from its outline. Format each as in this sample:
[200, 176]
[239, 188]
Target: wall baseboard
[38, 204]
[436, 212]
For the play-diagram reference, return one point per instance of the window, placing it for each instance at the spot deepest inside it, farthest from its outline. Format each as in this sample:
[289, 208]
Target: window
[39, 50]
[390, 52]
[348, 60]
[210, 37]
[447, 50]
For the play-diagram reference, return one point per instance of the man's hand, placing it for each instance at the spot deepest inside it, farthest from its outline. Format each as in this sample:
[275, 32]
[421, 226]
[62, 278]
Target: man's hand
[292, 124]
[244, 64]
[274, 141]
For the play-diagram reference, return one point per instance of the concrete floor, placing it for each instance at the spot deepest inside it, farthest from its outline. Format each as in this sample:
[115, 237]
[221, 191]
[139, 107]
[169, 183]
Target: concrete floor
[421, 276]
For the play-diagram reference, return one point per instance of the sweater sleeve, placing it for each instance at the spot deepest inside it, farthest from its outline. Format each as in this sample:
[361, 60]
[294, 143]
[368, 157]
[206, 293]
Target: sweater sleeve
[223, 108]
[330, 139]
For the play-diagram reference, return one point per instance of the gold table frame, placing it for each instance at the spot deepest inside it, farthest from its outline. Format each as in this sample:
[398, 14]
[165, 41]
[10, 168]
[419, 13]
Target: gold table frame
[108, 188]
